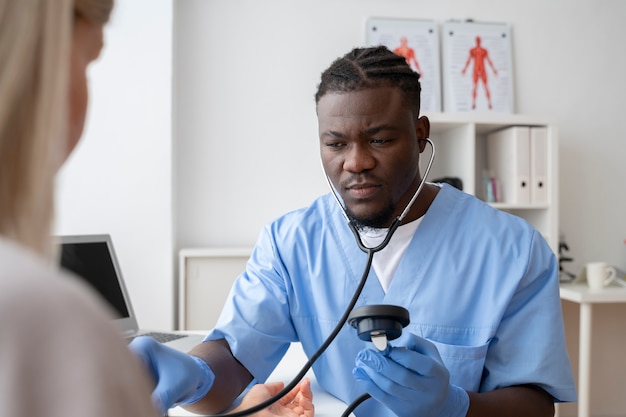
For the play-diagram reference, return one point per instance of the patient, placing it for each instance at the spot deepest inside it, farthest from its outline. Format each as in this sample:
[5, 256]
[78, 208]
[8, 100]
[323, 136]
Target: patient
[60, 355]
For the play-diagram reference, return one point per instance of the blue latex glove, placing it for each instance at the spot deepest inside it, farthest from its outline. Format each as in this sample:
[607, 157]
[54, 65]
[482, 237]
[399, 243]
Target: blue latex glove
[180, 378]
[411, 381]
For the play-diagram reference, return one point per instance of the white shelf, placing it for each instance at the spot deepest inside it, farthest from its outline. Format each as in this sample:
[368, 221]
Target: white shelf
[461, 151]
[489, 120]
[581, 293]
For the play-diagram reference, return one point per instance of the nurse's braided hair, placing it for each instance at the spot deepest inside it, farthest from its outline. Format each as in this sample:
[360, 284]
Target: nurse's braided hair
[364, 68]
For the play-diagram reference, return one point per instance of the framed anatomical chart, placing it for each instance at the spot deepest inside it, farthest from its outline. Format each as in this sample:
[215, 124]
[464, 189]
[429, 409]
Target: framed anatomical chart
[477, 68]
[418, 42]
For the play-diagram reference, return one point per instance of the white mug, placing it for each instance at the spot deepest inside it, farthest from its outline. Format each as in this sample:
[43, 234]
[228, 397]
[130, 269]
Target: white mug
[599, 275]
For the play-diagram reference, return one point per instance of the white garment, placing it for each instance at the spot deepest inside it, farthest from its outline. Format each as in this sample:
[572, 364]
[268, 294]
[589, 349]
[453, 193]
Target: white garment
[387, 260]
[60, 355]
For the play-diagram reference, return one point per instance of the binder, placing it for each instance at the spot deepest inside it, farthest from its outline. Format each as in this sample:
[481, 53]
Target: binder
[539, 186]
[508, 156]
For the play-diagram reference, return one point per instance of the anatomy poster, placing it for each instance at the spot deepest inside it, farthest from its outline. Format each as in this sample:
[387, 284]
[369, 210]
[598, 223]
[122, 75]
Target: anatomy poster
[418, 42]
[477, 67]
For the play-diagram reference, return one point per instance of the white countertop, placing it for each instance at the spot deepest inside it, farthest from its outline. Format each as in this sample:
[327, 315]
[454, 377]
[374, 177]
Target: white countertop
[581, 293]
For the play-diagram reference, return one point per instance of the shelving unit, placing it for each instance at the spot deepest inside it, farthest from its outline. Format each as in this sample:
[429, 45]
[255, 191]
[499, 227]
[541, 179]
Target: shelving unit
[461, 151]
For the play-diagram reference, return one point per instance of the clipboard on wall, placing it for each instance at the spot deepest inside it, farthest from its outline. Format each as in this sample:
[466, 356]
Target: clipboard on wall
[477, 67]
[418, 41]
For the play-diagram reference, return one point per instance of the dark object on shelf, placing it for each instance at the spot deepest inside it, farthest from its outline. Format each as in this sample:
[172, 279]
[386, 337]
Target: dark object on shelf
[564, 276]
[453, 181]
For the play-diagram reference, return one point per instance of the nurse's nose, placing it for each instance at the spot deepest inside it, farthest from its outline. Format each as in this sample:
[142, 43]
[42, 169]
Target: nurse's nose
[358, 159]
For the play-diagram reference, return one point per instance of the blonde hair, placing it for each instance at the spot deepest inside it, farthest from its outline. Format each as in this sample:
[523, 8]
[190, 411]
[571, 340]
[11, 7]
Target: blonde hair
[98, 11]
[35, 42]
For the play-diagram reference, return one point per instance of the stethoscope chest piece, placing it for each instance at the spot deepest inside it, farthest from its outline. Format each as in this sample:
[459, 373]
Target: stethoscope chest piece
[379, 323]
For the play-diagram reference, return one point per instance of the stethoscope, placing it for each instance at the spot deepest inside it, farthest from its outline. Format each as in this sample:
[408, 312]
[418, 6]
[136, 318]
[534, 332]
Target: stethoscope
[356, 320]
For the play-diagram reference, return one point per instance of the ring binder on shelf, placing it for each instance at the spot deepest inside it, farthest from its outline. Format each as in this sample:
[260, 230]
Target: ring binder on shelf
[539, 190]
[508, 153]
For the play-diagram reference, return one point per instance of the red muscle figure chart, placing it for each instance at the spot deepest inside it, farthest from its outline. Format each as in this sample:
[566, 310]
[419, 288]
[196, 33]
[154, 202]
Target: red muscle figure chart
[409, 54]
[479, 55]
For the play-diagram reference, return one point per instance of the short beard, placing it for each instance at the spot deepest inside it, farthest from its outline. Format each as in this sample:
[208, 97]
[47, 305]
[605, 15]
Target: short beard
[378, 220]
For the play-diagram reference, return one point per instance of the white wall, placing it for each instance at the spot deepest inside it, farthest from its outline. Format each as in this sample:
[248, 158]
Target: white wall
[118, 180]
[246, 135]
[244, 142]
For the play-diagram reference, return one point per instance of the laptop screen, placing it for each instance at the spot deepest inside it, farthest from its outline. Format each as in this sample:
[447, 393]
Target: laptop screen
[93, 261]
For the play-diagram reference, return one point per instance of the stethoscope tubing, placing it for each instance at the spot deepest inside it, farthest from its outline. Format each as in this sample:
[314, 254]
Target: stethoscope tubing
[370, 256]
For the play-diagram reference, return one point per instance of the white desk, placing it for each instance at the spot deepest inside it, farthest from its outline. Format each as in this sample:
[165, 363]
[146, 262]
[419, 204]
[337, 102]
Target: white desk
[325, 404]
[586, 298]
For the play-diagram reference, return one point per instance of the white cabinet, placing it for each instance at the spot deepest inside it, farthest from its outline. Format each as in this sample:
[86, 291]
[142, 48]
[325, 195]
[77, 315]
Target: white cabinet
[205, 278]
[461, 151]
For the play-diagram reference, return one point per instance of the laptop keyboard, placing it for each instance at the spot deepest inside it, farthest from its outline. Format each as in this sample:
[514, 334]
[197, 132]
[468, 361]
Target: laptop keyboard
[161, 337]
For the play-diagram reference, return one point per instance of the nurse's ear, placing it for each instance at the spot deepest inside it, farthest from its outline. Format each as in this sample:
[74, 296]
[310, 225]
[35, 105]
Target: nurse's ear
[422, 131]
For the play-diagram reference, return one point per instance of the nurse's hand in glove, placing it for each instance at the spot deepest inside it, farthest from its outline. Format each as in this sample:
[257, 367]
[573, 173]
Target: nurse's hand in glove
[180, 378]
[411, 381]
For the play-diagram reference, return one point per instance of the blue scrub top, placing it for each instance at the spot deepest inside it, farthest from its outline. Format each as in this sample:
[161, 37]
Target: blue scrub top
[479, 283]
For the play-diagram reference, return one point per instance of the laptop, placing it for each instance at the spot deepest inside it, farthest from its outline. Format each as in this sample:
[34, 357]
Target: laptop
[92, 258]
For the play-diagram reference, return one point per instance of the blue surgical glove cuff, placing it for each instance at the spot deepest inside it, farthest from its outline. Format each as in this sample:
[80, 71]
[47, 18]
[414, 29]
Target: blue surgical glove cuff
[457, 402]
[204, 384]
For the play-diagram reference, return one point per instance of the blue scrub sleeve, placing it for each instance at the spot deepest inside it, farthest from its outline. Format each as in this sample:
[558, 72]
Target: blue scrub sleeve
[529, 347]
[255, 320]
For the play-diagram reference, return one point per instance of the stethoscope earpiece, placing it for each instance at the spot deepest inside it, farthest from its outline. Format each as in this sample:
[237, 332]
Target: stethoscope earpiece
[379, 323]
